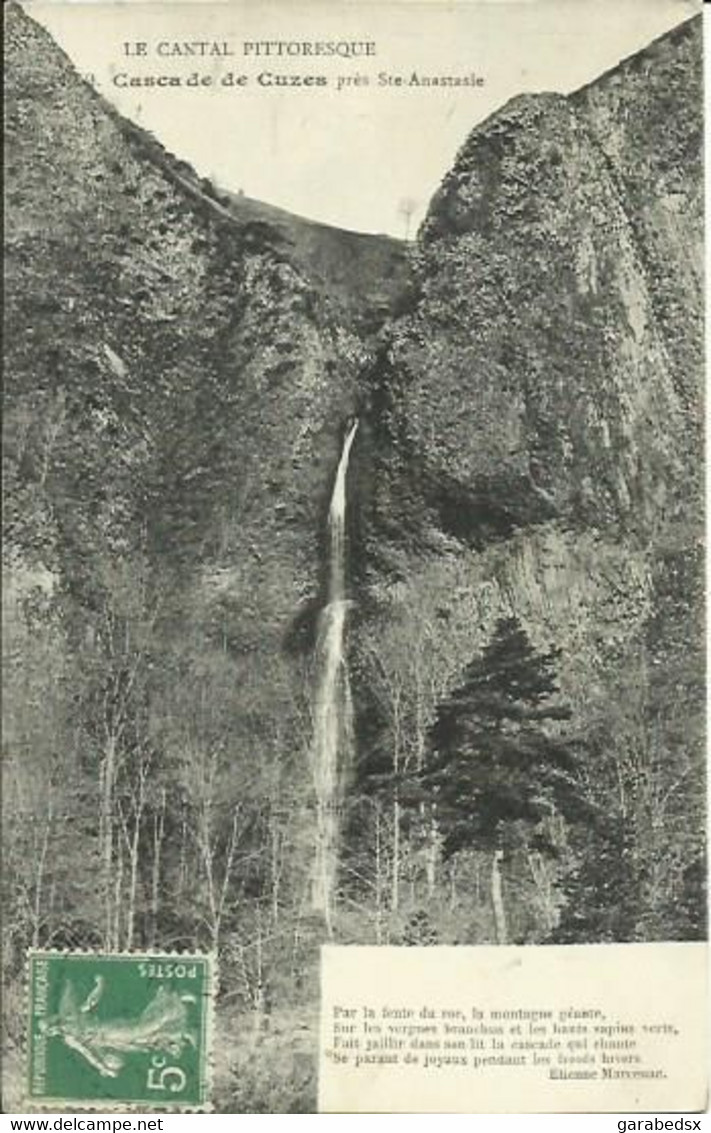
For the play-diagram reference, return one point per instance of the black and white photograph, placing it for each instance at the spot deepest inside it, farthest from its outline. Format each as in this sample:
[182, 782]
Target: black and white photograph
[353, 557]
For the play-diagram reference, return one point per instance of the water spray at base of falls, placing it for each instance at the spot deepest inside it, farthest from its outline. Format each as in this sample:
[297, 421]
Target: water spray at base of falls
[333, 723]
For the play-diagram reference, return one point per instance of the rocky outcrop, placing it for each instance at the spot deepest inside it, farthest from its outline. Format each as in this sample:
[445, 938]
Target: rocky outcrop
[180, 362]
[549, 369]
[535, 433]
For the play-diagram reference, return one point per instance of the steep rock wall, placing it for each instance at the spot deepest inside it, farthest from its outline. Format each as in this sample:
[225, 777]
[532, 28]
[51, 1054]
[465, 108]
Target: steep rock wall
[535, 436]
[179, 365]
[558, 320]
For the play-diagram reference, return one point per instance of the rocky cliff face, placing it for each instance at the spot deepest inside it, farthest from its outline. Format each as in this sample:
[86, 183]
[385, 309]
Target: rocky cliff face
[558, 321]
[180, 363]
[544, 386]
[536, 427]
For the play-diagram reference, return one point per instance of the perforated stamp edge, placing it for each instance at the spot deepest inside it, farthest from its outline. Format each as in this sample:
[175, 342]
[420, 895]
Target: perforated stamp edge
[34, 1104]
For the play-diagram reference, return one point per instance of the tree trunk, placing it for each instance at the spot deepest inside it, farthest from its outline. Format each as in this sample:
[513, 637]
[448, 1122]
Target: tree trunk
[39, 877]
[134, 845]
[275, 849]
[106, 837]
[453, 896]
[133, 882]
[395, 879]
[378, 879]
[497, 898]
[182, 866]
[258, 991]
[158, 832]
[114, 943]
[432, 852]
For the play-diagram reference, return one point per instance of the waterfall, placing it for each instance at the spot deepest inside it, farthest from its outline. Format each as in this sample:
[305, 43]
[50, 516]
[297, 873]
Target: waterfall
[333, 724]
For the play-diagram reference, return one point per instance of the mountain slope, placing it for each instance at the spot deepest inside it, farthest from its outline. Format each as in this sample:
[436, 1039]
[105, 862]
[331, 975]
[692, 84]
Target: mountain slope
[535, 439]
[160, 337]
[558, 270]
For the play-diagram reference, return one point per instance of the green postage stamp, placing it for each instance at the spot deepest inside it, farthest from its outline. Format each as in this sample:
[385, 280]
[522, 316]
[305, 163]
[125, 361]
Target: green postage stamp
[114, 1030]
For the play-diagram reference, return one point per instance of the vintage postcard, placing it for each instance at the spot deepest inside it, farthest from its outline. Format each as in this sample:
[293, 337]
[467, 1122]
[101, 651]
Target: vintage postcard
[354, 715]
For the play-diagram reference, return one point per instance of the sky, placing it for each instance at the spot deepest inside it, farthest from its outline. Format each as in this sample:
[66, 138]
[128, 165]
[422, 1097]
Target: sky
[367, 156]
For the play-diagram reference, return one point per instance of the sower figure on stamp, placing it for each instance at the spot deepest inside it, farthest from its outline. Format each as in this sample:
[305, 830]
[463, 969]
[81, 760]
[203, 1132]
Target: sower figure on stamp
[162, 1026]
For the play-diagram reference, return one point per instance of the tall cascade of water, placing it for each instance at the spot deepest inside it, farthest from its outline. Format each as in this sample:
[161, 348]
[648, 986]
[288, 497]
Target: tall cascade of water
[333, 724]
